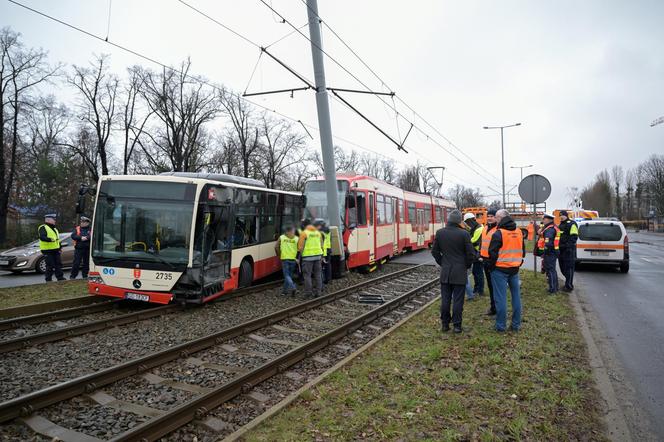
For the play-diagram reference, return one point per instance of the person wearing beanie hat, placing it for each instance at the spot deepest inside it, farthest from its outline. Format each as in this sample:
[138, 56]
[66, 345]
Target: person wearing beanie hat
[454, 253]
[569, 234]
[487, 231]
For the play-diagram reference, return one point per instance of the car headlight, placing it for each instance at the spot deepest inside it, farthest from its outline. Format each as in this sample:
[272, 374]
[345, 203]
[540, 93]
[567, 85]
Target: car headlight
[95, 280]
[21, 264]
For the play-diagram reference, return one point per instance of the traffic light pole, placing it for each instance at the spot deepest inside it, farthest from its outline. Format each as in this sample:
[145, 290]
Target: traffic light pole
[323, 108]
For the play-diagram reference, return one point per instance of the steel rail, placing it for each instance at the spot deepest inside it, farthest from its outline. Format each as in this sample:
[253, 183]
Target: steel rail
[8, 324]
[81, 329]
[41, 307]
[198, 407]
[102, 324]
[27, 404]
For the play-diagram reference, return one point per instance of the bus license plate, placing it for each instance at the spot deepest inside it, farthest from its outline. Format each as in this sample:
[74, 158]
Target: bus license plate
[599, 253]
[137, 296]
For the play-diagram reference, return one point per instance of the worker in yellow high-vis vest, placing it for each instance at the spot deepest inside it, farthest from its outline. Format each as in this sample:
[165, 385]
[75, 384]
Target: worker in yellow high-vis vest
[310, 248]
[286, 249]
[49, 244]
[327, 250]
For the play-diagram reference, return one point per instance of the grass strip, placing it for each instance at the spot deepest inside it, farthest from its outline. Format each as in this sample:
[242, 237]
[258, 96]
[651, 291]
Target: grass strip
[32, 294]
[420, 384]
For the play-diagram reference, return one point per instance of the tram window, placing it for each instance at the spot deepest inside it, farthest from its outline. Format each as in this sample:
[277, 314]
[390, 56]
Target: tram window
[439, 215]
[361, 209]
[380, 208]
[427, 215]
[389, 210]
[411, 213]
[402, 212]
[371, 209]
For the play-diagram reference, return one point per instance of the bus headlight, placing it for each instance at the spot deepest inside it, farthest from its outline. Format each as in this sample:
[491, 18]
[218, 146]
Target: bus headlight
[95, 280]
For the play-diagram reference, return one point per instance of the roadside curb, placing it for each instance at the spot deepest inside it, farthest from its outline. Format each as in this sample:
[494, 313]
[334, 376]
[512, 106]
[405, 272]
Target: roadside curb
[238, 434]
[614, 418]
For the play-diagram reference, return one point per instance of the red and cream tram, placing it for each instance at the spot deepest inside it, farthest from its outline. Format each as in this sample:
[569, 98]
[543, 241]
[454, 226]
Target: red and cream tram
[381, 220]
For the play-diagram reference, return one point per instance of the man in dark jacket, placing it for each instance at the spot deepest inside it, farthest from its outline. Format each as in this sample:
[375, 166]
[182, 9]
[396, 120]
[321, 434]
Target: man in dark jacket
[506, 253]
[569, 234]
[454, 254]
[81, 237]
[475, 231]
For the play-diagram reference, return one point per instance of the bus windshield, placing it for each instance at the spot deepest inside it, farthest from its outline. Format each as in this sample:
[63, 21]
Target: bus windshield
[143, 221]
[317, 199]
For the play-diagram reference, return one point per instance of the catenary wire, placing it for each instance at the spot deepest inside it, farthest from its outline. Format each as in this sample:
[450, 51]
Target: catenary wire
[335, 61]
[378, 77]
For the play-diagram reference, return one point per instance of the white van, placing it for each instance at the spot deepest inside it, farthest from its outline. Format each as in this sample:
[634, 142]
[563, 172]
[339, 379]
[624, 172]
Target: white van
[603, 241]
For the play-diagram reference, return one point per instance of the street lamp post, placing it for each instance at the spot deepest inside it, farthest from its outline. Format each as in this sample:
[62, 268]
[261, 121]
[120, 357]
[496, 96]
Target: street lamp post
[521, 168]
[502, 151]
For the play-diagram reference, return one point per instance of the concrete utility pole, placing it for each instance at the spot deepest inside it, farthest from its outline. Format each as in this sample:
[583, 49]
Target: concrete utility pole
[323, 107]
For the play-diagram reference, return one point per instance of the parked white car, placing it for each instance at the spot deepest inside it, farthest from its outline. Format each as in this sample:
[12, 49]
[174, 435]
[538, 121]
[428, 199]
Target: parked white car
[603, 241]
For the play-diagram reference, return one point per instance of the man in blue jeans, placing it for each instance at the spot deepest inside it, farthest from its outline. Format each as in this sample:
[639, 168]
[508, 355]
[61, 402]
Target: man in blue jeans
[506, 253]
[286, 249]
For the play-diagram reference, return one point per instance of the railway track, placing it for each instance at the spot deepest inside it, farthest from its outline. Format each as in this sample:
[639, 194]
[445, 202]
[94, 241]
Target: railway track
[41, 328]
[155, 394]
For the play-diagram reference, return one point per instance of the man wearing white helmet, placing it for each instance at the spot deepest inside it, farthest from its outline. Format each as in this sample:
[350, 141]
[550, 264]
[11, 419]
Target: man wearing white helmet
[475, 231]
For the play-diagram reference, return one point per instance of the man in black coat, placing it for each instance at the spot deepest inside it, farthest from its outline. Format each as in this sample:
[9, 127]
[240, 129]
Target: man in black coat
[454, 253]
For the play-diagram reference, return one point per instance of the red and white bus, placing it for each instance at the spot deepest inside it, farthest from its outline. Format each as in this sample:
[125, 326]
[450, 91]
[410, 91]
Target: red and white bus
[380, 220]
[185, 237]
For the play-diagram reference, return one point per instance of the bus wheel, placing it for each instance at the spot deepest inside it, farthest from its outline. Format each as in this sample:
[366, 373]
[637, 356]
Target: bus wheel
[246, 274]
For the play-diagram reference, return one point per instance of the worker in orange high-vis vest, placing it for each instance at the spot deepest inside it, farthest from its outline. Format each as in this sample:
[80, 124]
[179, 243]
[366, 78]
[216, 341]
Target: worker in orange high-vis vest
[506, 253]
[487, 232]
[81, 237]
[548, 247]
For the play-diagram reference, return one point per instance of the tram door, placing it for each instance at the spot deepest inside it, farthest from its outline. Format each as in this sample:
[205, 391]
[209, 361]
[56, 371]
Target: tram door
[395, 224]
[371, 231]
[420, 227]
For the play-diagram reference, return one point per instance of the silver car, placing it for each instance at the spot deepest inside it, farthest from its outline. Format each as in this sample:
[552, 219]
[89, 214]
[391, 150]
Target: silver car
[29, 257]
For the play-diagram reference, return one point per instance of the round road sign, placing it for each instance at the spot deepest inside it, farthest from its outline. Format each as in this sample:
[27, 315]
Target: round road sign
[534, 189]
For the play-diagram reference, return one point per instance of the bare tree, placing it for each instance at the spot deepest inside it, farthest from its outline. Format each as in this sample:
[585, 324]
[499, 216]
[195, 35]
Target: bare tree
[630, 179]
[243, 136]
[282, 147]
[134, 121]
[409, 179]
[598, 195]
[97, 90]
[21, 70]
[653, 176]
[343, 161]
[618, 175]
[465, 196]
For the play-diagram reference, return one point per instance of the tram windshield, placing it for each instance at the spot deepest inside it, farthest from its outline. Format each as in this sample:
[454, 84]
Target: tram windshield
[143, 221]
[317, 199]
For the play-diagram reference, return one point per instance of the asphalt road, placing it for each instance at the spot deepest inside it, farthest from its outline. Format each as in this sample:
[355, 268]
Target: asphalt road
[630, 310]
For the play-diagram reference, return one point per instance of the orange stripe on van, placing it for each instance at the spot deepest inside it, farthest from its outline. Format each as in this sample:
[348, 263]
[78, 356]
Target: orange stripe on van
[600, 246]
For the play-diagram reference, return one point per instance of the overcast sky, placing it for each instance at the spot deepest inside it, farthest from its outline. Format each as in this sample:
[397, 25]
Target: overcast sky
[584, 78]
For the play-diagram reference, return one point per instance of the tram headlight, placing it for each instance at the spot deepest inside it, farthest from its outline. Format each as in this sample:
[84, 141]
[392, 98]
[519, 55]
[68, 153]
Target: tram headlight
[95, 280]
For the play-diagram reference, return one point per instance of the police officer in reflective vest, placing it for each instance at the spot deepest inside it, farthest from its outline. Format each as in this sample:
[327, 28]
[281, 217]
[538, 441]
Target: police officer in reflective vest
[487, 232]
[310, 248]
[548, 246]
[569, 233]
[81, 237]
[49, 244]
[286, 249]
[506, 252]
